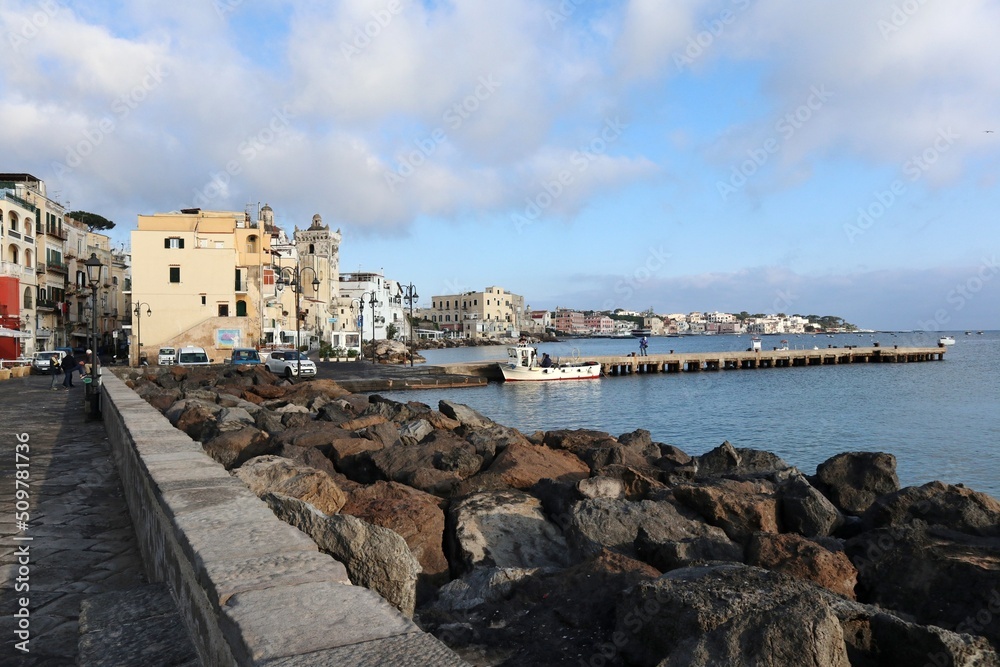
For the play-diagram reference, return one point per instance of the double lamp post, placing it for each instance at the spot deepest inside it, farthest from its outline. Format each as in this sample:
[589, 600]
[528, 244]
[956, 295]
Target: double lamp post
[94, 270]
[295, 282]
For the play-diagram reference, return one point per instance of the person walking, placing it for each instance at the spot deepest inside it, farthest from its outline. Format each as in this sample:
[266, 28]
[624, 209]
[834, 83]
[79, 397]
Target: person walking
[69, 365]
[643, 344]
[54, 370]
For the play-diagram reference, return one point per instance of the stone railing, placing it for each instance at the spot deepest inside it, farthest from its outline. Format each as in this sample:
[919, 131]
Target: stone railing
[252, 590]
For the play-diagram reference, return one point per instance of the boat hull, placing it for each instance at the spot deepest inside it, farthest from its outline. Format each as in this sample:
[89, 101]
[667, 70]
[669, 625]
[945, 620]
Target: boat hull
[584, 371]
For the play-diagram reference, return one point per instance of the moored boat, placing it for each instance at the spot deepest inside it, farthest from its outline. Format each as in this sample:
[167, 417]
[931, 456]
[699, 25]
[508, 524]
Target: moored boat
[946, 340]
[523, 366]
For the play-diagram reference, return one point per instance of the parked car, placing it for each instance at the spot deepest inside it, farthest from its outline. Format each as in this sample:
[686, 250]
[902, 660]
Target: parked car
[40, 360]
[192, 356]
[288, 362]
[244, 356]
[167, 356]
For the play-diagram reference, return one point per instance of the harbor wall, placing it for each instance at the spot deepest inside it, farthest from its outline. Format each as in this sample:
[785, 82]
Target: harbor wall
[251, 589]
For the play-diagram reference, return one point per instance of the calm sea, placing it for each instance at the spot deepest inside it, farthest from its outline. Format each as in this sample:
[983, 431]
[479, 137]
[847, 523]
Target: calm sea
[940, 419]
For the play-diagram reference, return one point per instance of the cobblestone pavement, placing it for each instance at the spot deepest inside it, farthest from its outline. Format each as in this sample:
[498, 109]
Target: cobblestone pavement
[78, 541]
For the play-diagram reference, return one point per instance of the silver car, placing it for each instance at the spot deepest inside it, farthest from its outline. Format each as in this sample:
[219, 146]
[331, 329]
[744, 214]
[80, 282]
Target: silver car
[288, 362]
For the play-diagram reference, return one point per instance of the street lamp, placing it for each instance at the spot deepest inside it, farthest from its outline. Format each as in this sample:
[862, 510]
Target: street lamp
[296, 284]
[138, 330]
[410, 295]
[94, 269]
[373, 302]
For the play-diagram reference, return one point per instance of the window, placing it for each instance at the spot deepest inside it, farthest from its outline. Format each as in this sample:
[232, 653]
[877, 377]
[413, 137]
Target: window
[174, 242]
[203, 300]
[241, 309]
[223, 310]
[27, 298]
[175, 274]
[252, 244]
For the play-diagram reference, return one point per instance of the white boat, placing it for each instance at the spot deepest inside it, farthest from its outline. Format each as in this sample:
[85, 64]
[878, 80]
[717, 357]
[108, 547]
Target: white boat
[523, 366]
[946, 340]
[639, 333]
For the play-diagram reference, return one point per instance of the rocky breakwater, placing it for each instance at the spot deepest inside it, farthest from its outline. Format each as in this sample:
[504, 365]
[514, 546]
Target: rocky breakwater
[581, 548]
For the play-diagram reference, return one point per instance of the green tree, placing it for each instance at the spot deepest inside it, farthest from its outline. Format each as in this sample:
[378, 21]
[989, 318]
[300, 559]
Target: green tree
[391, 331]
[93, 221]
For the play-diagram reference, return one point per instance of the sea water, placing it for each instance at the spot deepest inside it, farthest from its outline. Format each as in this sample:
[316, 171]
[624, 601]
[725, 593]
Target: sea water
[941, 419]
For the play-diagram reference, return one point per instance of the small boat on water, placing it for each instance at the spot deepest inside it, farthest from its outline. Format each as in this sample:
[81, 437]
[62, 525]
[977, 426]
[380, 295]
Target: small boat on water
[639, 333]
[523, 366]
[946, 340]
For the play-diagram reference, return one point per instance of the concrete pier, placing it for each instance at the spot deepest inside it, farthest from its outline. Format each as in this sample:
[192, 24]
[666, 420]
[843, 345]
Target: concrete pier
[693, 362]
[717, 361]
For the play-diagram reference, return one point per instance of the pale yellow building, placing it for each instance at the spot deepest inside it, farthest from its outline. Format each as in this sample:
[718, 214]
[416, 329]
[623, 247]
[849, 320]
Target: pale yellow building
[492, 313]
[204, 277]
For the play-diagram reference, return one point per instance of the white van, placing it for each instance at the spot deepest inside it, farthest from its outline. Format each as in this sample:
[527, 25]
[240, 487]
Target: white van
[40, 360]
[167, 356]
[192, 356]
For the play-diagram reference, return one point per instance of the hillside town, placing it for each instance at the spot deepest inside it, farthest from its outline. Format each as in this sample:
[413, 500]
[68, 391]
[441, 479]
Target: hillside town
[228, 279]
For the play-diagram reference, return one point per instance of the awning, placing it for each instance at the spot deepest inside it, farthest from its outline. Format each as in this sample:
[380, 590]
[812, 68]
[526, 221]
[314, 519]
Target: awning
[13, 333]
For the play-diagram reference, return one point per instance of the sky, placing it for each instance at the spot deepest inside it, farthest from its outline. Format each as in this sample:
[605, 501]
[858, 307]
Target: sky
[829, 158]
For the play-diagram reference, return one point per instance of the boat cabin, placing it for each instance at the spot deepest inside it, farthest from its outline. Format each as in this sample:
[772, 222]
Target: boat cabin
[523, 356]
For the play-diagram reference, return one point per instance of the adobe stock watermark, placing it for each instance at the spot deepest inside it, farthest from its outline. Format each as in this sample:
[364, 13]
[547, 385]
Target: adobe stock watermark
[226, 7]
[901, 14]
[33, 25]
[121, 108]
[656, 261]
[562, 12]
[786, 127]
[365, 34]
[453, 118]
[702, 41]
[962, 293]
[580, 161]
[912, 170]
[247, 151]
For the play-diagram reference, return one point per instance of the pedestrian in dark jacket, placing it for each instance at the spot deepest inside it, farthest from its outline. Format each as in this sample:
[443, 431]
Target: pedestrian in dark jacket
[54, 369]
[69, 365]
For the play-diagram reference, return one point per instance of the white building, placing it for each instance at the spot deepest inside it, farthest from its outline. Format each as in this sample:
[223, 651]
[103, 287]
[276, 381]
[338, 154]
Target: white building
[371, 321]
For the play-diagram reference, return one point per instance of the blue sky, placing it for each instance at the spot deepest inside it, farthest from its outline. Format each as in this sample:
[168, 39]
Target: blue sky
[766, 155]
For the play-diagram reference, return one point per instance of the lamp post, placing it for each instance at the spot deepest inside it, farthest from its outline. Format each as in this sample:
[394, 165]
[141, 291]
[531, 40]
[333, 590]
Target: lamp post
[410, 295]
[94, 270]
[296, 284]
[372, 301]
[138, 329]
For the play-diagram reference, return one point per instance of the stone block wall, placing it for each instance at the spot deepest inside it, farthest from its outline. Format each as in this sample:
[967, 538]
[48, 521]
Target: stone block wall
[252, 590]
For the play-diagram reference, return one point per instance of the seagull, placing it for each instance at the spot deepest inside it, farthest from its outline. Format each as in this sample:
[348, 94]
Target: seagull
[988, 131]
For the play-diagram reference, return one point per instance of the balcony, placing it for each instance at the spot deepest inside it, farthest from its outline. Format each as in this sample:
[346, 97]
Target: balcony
[241, 287]
[56, 233]
[12, 270]
[45, 304]
[14, 235]
[57, 267]
[29, 239]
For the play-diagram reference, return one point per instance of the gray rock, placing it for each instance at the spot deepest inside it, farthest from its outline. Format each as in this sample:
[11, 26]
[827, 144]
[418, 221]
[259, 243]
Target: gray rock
[375, 557]
[853, 480]
[505, 529]
[936, 503]
[601, 487]
[274, 474]
[464, 414]
[412, 432]
[482, 585]
[806, 511]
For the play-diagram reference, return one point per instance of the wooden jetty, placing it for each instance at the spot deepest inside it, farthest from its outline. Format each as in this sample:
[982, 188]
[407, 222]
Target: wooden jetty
[689, 362]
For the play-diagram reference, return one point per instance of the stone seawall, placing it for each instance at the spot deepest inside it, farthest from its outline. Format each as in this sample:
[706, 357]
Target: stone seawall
[252, 590]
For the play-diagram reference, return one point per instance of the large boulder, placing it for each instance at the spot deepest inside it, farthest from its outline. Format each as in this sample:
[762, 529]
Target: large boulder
[274, 474]
[936, 575]
[853, 480]
[740, 615]
[726, 460]
[436, 465]
[503, 529]
[352, 456]
[464, 415]
[522, 465]
[415, 515]
[194, 416]
[233, 448]
[375, 557]
[805, 559]
[955, 507]
[602, 523]
[806, 511]
[741, 508]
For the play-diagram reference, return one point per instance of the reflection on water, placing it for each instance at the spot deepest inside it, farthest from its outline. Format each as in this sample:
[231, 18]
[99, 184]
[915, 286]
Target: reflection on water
[940, 419]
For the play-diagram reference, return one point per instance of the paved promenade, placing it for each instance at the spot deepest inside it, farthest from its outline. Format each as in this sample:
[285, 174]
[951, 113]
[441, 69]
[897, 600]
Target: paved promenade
[78, 549]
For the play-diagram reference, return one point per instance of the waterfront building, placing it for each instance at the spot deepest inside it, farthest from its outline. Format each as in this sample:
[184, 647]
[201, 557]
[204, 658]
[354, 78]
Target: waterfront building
[569, 321]
[315, 253]
[492, 313]
[205, 276]
[355, 312]
[34, 238]
[18, 280]
[600, 324]
[539, 321]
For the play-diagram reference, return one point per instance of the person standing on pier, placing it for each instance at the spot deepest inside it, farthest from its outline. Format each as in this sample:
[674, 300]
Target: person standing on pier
[643, 344]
